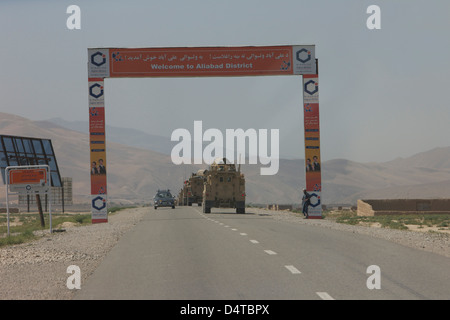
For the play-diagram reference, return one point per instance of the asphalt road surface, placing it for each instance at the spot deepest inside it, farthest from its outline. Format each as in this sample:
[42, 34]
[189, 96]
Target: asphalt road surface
[183, 254]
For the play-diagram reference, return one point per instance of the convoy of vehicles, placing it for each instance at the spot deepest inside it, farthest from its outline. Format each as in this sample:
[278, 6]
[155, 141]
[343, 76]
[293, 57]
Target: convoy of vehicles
[222, 185]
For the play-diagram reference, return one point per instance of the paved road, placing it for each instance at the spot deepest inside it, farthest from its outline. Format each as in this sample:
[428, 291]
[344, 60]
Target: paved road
[184, 254]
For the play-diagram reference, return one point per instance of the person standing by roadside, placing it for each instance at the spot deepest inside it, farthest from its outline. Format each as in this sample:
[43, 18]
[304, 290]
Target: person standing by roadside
[306, 202]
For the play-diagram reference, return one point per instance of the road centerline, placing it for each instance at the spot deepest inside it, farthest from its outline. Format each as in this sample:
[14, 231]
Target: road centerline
[293, 269]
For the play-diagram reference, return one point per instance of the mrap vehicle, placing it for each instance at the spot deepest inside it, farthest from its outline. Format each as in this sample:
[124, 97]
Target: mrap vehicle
[194, 188]
[182, 196]
[224, 187]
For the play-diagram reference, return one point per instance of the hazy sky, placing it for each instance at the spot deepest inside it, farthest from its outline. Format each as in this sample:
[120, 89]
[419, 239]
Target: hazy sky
[383, 93]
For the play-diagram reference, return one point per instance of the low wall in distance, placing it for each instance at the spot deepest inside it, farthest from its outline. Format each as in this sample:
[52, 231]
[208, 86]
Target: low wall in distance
[403, 206]
[280, 207]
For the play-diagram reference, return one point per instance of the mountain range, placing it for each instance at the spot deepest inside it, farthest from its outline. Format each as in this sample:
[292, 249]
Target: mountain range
[139, 163]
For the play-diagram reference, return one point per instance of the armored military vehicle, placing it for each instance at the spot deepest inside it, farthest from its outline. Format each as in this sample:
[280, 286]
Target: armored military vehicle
[195, 188]
[182, 196]
[224, 187]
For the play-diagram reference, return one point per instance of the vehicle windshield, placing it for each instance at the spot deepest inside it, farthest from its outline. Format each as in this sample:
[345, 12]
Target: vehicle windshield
[164, 195]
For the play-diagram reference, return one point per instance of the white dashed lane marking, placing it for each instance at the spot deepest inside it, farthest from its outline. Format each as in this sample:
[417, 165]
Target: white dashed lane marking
[293, 269]
[324, 296]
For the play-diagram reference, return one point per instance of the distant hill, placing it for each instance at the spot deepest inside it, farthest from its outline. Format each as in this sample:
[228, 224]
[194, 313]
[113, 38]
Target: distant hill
[136, 171]
[134, 174]
[127, 136]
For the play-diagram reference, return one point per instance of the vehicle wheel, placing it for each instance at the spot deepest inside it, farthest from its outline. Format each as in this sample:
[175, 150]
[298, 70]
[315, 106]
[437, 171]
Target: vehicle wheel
[173, 207]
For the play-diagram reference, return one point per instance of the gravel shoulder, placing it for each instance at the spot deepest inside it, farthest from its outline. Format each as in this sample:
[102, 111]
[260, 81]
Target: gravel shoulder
[38, 270]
